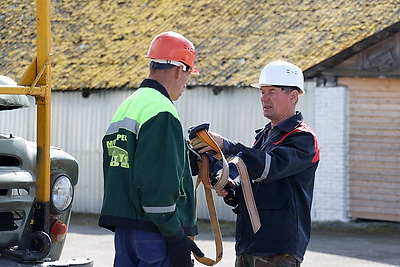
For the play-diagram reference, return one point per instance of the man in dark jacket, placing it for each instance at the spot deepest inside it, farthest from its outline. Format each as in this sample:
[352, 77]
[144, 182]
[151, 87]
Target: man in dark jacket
[281, 165]
[149, 197]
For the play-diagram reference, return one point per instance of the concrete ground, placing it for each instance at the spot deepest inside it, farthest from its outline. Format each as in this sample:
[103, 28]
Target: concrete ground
[361, 245]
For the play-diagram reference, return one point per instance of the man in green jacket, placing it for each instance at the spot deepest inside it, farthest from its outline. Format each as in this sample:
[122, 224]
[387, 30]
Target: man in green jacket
[149, 198]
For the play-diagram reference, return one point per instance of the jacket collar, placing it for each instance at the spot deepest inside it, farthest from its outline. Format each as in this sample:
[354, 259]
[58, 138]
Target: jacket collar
[286, 125]
[291, 123]
[155, 85]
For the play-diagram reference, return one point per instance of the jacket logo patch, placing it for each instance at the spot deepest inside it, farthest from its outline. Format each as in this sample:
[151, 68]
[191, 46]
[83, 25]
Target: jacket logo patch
[119, 156]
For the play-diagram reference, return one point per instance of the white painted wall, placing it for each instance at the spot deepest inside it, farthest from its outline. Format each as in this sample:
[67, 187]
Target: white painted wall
[78, 125]
[331, 184]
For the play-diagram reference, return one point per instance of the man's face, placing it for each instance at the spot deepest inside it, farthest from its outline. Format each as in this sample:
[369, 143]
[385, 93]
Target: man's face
[277, 104]
[182, 79]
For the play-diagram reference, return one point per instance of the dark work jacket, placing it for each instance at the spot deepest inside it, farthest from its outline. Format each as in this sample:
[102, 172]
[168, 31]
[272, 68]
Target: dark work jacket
[282, 169]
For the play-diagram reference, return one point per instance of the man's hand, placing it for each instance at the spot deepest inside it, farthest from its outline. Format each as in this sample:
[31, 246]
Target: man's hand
[179, 252]
[202, 147]
[228, 189]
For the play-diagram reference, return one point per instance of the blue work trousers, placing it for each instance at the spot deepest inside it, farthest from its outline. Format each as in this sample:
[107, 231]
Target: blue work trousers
[135, 248]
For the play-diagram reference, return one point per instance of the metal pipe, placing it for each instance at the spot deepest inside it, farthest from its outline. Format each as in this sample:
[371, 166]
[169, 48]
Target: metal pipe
[43, 101]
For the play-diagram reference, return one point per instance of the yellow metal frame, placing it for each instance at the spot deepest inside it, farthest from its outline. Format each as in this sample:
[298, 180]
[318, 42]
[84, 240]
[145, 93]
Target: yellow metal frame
[36, 82]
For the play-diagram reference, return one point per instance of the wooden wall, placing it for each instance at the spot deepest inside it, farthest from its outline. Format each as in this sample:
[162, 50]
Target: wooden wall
[374, 148]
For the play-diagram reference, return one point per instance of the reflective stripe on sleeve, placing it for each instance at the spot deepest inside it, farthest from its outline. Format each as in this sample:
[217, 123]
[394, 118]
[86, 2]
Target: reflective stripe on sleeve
[159, 209]
[125, 123]
[266, 168]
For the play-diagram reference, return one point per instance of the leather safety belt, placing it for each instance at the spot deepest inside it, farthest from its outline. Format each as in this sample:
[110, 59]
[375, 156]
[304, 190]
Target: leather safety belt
[203, 177]
[248, 194]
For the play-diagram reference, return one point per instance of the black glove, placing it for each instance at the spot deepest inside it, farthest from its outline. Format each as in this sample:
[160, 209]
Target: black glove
[196, 128]
[179, 252]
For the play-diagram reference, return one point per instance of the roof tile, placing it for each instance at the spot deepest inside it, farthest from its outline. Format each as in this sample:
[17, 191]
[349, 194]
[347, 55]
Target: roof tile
[101, 44]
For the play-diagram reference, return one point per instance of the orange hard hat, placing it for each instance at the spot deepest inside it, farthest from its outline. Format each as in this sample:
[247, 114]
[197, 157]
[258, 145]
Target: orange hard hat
[173, 46]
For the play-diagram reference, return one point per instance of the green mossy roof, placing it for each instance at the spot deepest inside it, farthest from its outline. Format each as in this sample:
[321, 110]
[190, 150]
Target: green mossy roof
[101, 44]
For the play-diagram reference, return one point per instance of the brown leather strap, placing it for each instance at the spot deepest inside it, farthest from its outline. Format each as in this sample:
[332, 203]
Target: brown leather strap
[203, 172]
[248, 194]
[205, 136]
[203, 177]
[214, 226]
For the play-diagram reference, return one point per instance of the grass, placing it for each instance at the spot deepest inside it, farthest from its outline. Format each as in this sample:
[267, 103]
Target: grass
[86, 219]
[228, 228]
[358, 226]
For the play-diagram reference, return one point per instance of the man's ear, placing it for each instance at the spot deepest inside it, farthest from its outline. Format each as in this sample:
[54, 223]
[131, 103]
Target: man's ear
[178, 71]
[294, 95]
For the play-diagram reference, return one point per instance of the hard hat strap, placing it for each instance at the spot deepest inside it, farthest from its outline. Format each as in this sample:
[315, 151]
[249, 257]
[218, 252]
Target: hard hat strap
[171, 62]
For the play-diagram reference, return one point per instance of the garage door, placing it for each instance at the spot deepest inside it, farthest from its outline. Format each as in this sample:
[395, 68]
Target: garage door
[374, 148]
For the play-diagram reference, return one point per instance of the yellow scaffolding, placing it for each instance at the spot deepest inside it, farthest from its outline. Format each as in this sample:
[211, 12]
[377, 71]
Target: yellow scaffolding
[36, 82]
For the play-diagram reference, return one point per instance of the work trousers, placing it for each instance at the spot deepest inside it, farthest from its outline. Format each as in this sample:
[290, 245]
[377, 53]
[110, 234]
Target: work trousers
[280, 260]
[135, 248]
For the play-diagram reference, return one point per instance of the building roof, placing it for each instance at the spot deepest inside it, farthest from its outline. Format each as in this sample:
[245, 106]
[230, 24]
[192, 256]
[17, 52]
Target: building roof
[101, 44]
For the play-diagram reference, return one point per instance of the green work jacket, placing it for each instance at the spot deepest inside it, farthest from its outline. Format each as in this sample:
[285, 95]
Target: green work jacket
[147, 179]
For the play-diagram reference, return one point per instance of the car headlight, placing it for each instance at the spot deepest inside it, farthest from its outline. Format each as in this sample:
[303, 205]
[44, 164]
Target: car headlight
[62, 193]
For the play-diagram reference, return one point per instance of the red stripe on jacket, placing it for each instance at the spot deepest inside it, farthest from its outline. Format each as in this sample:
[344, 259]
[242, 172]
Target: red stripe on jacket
[303, 128]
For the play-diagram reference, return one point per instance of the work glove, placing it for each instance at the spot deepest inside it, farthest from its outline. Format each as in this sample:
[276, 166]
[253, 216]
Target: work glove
[179, 252]
[195, 141]
[196, 128]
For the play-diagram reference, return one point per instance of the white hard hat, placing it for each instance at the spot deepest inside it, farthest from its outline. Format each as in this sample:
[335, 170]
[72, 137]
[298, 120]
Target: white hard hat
[281, 73]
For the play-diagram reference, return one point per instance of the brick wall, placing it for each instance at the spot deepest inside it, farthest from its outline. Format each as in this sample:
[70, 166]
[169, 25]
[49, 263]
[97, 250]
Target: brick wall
[330, 125]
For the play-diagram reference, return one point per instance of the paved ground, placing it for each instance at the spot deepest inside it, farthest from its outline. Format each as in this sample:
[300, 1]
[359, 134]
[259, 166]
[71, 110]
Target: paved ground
[361, 246]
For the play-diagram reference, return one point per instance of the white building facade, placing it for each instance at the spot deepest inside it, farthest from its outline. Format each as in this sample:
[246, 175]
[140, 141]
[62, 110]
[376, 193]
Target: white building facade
[78, 125]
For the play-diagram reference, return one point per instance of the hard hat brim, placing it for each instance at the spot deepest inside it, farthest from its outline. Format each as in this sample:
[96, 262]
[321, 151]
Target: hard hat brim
[259, 85]
[194, 71]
